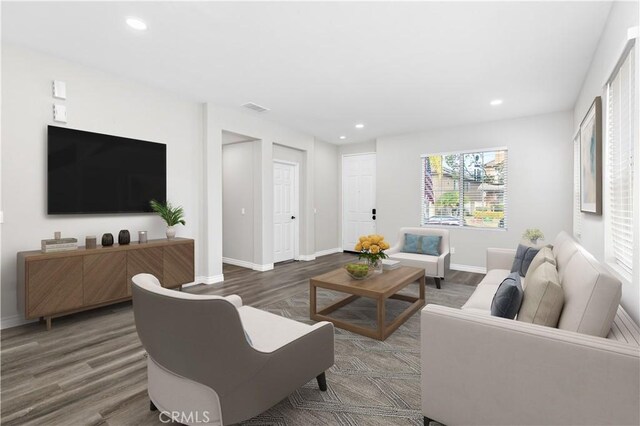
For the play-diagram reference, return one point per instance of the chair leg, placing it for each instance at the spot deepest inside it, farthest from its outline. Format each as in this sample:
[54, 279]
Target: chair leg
[322, 382]
[427, 421]
[437, 282]
[152, 406]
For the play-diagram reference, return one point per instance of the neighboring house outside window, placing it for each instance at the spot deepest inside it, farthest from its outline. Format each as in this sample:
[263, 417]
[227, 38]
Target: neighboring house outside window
[465, 189]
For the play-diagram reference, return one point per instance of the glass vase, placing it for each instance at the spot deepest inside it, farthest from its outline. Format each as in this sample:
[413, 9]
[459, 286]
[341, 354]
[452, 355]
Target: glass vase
[376, 265]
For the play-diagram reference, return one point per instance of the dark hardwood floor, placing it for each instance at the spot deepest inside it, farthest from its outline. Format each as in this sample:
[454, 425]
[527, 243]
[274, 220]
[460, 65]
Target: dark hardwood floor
[90, 368]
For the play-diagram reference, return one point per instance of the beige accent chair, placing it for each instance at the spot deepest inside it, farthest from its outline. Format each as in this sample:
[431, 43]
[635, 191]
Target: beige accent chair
[434, 266]
[214, 361]
[480, 369]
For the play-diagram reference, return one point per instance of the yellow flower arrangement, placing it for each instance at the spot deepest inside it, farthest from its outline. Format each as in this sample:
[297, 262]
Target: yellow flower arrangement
[372, 247]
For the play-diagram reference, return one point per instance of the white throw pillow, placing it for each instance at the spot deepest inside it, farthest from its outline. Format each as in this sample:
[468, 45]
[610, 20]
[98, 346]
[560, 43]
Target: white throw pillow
[543, 297]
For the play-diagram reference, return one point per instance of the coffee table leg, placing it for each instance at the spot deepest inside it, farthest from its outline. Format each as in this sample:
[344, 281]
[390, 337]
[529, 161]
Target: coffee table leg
[381, 318]
[422, 284]
[312, 300]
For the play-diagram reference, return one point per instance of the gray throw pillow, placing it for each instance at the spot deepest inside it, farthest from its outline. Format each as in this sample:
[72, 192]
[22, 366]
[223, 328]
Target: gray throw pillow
[524, 256]
[506, 302]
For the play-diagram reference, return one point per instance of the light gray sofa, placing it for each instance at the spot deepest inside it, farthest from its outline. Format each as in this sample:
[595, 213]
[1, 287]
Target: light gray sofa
[479, 370]
[213, 361]
[434, 266]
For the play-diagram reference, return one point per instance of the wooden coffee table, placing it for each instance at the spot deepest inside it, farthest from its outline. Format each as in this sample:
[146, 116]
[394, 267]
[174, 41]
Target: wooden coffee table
[379, 287]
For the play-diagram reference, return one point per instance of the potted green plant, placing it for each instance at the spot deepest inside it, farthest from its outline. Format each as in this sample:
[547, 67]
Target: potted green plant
[170, 214]
[533, 235]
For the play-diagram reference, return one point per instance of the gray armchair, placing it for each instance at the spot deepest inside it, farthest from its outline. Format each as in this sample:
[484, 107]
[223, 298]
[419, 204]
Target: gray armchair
[215, 361]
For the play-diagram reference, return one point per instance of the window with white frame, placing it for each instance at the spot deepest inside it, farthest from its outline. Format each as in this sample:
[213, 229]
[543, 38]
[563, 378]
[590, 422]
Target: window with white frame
[619, 208]
[577, 215]
[465, 189]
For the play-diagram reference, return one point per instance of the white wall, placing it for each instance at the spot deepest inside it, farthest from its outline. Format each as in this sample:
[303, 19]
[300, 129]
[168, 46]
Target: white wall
[623, 15]
[100, 103]
[238, 194]
[327, 213]
[540, 153]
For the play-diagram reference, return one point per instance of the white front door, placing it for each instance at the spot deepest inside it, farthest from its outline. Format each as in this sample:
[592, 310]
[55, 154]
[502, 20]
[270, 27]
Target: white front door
[358, 198]
[285, 211]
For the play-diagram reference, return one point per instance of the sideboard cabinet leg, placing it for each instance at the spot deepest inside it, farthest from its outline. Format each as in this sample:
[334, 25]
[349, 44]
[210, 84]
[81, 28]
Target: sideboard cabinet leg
[48, 323]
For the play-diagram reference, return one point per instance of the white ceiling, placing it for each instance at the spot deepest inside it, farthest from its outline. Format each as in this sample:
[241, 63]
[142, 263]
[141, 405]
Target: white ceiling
[323, 67]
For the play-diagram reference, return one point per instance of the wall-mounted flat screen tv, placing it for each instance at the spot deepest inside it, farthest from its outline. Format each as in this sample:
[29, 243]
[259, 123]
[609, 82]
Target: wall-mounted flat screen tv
[92, 173]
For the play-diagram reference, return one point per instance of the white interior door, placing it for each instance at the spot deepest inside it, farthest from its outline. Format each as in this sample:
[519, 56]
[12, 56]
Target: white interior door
[285, 211]
[358, 198]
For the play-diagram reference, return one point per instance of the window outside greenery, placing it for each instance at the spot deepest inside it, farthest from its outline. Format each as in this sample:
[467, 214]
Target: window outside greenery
[466, 189]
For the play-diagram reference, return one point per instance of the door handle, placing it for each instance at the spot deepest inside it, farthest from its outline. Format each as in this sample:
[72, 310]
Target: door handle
[293, 217]
[373, 211]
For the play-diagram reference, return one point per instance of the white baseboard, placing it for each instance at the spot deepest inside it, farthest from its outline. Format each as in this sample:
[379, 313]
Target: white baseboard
[328, 251]
[309, 257]
[262, 268]
[248, 265]
[206, 280]
[468, 268]
[14, 321]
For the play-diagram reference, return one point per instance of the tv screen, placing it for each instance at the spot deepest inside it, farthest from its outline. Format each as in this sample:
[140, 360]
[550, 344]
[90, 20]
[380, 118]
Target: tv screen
[95, 173]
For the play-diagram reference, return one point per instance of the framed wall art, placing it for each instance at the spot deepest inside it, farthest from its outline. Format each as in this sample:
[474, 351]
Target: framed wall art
[591, 159]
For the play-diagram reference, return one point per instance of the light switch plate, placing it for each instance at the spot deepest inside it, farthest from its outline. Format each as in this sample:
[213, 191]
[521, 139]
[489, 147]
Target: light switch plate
[59, 89]
[59, 113]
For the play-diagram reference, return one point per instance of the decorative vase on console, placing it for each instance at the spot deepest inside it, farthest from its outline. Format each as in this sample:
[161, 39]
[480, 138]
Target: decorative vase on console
[171, 215]
[124, 237]
[107, 240]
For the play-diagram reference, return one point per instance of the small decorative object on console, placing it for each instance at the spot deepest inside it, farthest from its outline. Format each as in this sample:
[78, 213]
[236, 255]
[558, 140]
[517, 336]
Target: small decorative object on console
[107, 239]
[372, 247]
[171, 215]
[142, 237]
[59, 244]
[533, 235]
[124, 237]
[90, 242]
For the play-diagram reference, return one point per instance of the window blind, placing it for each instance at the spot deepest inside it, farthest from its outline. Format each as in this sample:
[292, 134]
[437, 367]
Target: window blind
[621, 116]
[577, 216]
[465, 189]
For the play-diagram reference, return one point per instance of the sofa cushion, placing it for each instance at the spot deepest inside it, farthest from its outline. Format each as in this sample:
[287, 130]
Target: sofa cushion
[524, 256]
[482, 297]
[507, 299]
[424, 261]
[543, 297]
[563, 251]
[544, 255]
[267, 332]
[422, 244]
[592, 295]
[494, 277]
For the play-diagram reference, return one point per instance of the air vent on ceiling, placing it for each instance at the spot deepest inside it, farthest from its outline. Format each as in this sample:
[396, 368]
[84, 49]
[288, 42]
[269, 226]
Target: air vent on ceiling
[255, 107]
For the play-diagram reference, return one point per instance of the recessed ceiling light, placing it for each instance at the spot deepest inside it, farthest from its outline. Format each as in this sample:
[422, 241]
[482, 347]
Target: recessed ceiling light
[137, 24]
[496, 102]
[359, 126]
[343, 137]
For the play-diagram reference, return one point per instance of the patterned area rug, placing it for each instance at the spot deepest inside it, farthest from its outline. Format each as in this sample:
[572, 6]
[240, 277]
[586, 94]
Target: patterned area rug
[372, 382]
